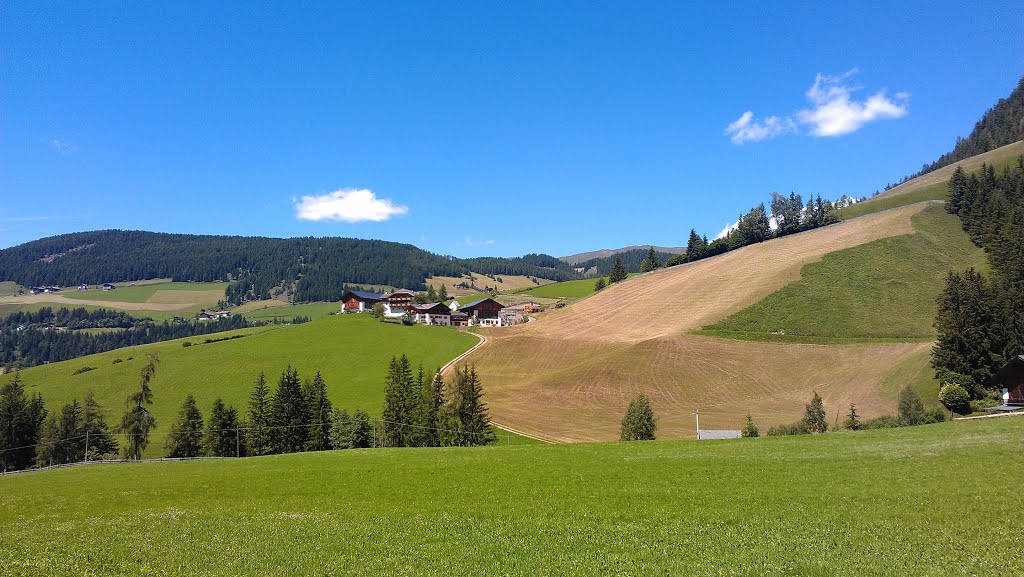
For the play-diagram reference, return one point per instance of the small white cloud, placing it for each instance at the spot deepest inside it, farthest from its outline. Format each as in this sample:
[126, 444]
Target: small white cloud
[348, 205]
[746, 129]
[62, 146]
[728, 228]
[833, 112]
[470, 241]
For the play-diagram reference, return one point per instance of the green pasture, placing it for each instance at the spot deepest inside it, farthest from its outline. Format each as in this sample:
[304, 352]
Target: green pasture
[931, 500]
[937, 191]
[880, 291]
[288, 312]
[352, 352]
[140, 293]
[158, 316]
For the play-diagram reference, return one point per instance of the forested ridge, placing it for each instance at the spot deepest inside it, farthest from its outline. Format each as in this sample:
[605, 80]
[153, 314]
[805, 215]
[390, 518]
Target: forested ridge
[260, 266]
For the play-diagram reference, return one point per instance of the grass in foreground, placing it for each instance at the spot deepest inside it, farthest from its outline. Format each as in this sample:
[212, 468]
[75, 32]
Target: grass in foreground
[883, 290]
[928, 500]
[351, 351]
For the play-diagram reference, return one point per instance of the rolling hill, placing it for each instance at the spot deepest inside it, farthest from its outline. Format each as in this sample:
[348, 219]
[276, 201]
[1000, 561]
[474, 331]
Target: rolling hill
[576, 259]
[859, 504]
[569, 375]
[351, 351]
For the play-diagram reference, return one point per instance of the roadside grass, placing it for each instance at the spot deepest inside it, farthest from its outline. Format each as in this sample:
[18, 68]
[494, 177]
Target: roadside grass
[881, 291]
[928, 500]
[351, 351]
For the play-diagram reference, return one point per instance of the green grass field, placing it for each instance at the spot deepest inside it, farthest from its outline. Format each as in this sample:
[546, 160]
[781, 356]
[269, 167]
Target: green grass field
[565, 289]
[938, 191]
[883, 290]
[288, 312]
[930, 500]
[351, 351]
[141, 293]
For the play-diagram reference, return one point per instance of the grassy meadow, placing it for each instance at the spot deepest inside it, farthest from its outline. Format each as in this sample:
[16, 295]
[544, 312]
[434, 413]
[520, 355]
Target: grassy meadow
[929, 500]
[882, 290]
[288, 312]
[566, 289]
[159, 300]
[351, 351]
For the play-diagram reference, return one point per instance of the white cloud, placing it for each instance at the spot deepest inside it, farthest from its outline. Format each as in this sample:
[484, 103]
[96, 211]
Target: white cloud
[728, 228]
[62, 146]
[470, 241]
[349, 205]
[833, 112]
[746, 129]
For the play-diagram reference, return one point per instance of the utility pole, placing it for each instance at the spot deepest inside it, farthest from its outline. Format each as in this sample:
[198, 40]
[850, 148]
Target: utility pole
[238, 453]
[86, 444]
[697, 414]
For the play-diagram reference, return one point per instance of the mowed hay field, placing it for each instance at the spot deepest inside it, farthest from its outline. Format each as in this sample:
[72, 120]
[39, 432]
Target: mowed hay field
[159, 300]
[507, 283]
[351, 351]
[570, 375]
[859, 504]
[934, 185]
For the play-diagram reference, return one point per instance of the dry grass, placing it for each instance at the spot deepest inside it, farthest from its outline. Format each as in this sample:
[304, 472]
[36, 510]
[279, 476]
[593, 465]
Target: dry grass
[508, 283]
[569, 375]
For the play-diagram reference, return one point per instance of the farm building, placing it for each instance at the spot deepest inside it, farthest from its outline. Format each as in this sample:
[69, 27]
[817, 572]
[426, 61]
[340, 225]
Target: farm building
[397, 303]
[1011, 378]
[205, 316]
[713, 434]
[431, 314]
[482, 310]
[359, 301]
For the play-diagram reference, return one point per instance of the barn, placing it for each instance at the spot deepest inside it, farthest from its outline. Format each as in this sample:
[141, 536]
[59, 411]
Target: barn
[359, 301]
[1011, 379]
[483, 310]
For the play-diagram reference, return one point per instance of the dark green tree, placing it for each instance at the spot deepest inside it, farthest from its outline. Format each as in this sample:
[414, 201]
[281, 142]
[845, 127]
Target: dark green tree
[910, 410]
[100, 443]
[319, 406]
[638, 424]
[750, 429]
[400, 400]
[20, 422]
[138, 421]
[223, 438]
[442, 293]
[289, 415]
[185, 439]
[618, 272]
[852, 421]
[465, 418]
[600, 284]
[695, 246]
[650, 261]
[258, 437]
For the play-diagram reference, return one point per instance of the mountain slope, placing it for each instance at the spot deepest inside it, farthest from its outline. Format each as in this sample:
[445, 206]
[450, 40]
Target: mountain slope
[569, 375]
[575, 259]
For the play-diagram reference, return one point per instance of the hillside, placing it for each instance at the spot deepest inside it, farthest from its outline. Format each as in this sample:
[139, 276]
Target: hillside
[575, 259]
[307, 268]
[848, 504]
[885, 289]
[934, 184]
[351, 351]
[569, 375]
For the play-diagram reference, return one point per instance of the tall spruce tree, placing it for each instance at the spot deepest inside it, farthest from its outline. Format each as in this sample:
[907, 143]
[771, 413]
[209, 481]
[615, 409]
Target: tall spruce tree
[20, 421]
[138, 421]
[223, 438]
[258, 437]
[400, 399]
[100, 443]
[852, 422]
[650, 262]
[289, 415]
[319, 407]
[695, 246]
[465, 419]
[618, 272]
[185, 439]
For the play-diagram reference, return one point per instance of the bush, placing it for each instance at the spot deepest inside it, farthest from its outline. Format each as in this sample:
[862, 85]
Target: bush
[910, 408]
[378, 310]
[883, 422]
[750, 430]
[955, 397]
[186, 344]
[115, 361]
[638, 423]
[797, 428]
[934, 415]
[83, 370]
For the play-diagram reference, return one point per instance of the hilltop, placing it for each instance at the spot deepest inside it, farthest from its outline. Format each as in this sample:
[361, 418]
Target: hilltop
[576, 259]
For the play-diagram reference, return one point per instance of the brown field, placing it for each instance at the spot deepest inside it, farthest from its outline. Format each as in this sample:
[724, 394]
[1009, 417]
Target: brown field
[569, 375]
[509, 282]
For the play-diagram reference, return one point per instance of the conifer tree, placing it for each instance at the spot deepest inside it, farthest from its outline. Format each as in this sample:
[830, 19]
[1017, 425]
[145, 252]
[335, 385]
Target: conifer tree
[465, 419]
[362, 430]
[695, 246]
[222, 434]
[618, 272]
[100, 442]
[400, 401]
[814, 416]
[650, 261]
[750, 429]
[638, 424]
[21, 419]
[185, 439]
[341, 429]
[138, 421]
[852, 422]
[319, 406]
[289, 416]
[600, 284]
[442, 293]
[46, 452]
[431, 294]
[258, 437]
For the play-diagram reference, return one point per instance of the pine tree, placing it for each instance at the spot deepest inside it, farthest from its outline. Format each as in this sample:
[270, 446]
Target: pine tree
[100, 442]
[341, 429]
[465, 418]
[750, 429]
[618, 272]
[20, 421]
[399, 404]
[600, 284]
[138, 421]
[431, 399]
[431, 294]
[442, 293]
[362, 430]
[258, 438]
[222, 434]
[638, 424]
[852, 422]
[957, 190]
[319, 406]
[695, 246]
[185, 439]
[289, 416]
[650, 261]
[814, 415]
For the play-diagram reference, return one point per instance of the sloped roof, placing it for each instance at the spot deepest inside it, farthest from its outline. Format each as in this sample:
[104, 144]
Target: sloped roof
[364, 295]
[430, 308]
[474, 303]
[1014, 363]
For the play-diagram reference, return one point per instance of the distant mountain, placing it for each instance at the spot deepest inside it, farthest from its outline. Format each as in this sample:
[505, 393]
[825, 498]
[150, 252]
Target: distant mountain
[575, 259]
[313, 269]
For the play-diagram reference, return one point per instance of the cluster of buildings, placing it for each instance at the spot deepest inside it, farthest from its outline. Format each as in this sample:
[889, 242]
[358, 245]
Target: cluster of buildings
[82, 287]
[485, 312]
[203, 315]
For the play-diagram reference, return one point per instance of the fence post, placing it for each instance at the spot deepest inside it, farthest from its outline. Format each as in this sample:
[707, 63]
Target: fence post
[238, 453]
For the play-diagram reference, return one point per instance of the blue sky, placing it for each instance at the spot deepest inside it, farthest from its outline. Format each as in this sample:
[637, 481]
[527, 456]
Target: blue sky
[476, 128]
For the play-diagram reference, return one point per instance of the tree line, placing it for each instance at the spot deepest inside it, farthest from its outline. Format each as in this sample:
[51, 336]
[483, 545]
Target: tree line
[980, 317]
[419, 410]
[47, 336]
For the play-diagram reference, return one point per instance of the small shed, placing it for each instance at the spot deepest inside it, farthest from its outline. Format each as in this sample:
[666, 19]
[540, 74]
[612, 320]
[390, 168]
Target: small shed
[1011, 379]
